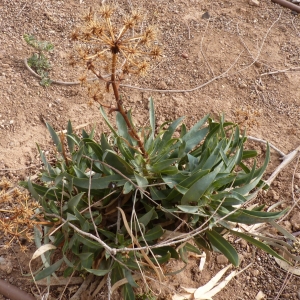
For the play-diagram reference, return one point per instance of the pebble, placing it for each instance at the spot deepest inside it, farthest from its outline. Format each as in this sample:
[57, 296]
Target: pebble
[297, 175]
[11, 122]
[261, 87]
[5, 265]
[242, 85]
[253, 2]
[243, 243]
[184, 55]
[61, 108]
[295, 221]
[162, 85]
[222, 260]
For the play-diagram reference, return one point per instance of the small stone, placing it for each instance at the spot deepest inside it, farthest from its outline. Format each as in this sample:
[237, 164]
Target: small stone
[260, 296]
[162, 85]
[253, 2]
[257, 64]
[287, 225]
[5, 265]
[243, 243]
[242, 85]
[255, 273]
[295, 221]
[36, 118]
[11, 122]
[222, 260]
[297, 175]
[61, 108]
[261, 87]
[274, 195]
[184, 55]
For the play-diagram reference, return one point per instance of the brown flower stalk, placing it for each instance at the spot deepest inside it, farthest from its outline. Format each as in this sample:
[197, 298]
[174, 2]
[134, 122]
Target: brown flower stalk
[122, 52]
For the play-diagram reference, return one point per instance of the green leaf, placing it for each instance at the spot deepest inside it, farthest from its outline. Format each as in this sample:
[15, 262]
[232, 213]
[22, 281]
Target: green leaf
[198, 188]
[114, 160]
[153, 234]
[96, 147]
[73, 202]
[250, 217]
[97, 272]
[188, 209]
[152, 116]
[221, 244]
[49, 270]
[130, 279]
[98, 183]
[122, 128]
[192, 248]
[147, 217]
[127, 292]
[142, 182]
[257, 244]
[103, 113]
[169, 132]
[161, 259]
[86, 259]
[69, 139]
[31, 189]
[55, 138]
[160, 167]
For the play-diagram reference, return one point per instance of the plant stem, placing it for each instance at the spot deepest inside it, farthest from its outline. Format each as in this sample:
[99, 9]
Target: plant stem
[115, 86]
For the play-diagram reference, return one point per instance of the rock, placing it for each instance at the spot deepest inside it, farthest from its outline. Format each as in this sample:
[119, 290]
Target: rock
[255, 273]
[222, 260]
[287, 225]
[297, 175]
[260, 296]
[257, 64]
[184, 55]
[254, 2]
[162, 85]
[243, 243]
[261, 87]
[295, 221]
[5, 265]
[274, 195]
[242, 85]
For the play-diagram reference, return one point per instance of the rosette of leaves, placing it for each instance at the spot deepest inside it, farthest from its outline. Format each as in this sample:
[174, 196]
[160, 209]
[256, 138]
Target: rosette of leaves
[38, 60]
[118, 212]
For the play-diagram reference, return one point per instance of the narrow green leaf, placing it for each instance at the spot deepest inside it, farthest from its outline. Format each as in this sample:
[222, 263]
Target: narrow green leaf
[73, 202]
[130, 279]
[127, 292]
[152, 116]
[86, 259]
[189, 247]
[221, 244]
[55, 138]
[49, 270]
[103, 113]
[97, 272]
[154, 233]
[198, 188]
[257, 244]
[69, 139]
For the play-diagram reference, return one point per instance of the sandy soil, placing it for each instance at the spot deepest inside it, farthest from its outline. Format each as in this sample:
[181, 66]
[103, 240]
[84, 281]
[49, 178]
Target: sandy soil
[219, 57]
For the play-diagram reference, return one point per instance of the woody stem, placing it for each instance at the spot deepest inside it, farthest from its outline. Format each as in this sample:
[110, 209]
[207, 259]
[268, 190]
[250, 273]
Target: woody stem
[115, 86]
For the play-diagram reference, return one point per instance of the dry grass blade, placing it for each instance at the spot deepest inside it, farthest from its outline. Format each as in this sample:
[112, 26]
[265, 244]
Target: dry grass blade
[208, 286]
[157, 270]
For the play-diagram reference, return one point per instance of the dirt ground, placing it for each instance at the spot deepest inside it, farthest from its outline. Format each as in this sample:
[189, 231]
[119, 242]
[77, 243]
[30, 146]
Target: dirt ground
[219, 57]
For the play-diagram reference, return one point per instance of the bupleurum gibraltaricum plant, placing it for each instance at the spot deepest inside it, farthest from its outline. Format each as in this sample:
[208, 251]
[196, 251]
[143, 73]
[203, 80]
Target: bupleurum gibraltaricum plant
[122, 206]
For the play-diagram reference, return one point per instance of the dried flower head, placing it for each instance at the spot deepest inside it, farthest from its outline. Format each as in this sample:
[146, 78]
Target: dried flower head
[115, 51]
